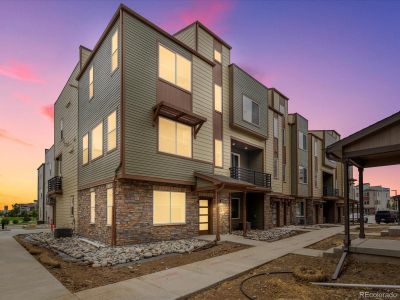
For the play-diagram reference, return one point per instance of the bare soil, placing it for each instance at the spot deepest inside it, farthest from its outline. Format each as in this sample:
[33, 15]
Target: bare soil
[337, 240]
[76, 277]
[286, 286]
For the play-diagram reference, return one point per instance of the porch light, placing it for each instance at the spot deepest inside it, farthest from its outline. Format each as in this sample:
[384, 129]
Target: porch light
[245, 148]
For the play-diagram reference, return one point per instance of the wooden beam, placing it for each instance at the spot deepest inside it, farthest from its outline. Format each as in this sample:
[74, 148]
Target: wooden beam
[216, 200]
[346, 208]
[244, 214]
[361, 201]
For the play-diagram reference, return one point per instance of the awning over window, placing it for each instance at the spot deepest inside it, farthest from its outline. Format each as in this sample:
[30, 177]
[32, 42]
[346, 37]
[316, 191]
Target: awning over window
[178, 114]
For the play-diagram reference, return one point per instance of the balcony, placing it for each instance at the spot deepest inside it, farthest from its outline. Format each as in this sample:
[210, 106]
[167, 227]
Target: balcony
[55, 185]
[251, 176]
[330, 192]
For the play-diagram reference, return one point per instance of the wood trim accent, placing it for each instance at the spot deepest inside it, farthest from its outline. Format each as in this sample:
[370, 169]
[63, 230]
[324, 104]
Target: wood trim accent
[124, 8]
[156, 179]
[275, 110]
[372, 151]
[123, 94]
[170, 93]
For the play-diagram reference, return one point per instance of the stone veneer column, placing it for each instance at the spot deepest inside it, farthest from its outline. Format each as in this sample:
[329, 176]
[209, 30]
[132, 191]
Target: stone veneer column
[267, 212]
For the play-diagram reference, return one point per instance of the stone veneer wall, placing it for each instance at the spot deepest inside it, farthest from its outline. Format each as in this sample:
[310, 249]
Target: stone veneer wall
[99, 230]
[309, 212]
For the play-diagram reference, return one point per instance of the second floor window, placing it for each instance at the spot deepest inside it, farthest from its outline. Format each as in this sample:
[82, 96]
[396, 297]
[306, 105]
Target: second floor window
[85, 149]
[61, 129]
[251, 111]
[218, 98]
[114, 51]
[174, 137]
[302, 141]
[217, 56]
[112, 131]
[276, 126]
[175, 68]
[275, 168]
[97, 141]
[218, 153]
[302, 174]
[91, 87]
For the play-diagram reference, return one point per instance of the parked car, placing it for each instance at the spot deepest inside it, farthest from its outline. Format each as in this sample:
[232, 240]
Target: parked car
[386, 216]
[356, 218]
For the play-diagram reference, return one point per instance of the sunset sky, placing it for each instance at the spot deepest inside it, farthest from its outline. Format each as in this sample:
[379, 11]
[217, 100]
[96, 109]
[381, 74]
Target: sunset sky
[337, 61]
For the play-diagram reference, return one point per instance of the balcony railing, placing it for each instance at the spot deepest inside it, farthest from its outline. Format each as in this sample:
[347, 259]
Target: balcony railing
[55, 185]
[251, 176]
[330, 192]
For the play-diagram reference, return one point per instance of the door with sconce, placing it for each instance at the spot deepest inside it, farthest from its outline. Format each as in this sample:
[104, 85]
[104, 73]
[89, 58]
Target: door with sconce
[205, 216]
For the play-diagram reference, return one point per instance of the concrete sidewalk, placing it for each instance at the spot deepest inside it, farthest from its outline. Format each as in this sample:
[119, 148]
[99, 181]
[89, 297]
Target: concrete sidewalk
[21, 276]
[184, 280]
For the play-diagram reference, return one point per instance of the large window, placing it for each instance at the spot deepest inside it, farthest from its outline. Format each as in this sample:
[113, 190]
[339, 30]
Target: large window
[175, 68]
[110, 203]
[92, 207]
[302, 141]
[174, 137]
[300, 209]
[235, 206]
[302, 174]
[169, 207]
[218, 98]
[114, 51]
[91, 87]
[112, 131]
[276, 126]
[97, 141]
[218, 153]
[217, 56]
[276, 173]
[251, 111]
[85, 149]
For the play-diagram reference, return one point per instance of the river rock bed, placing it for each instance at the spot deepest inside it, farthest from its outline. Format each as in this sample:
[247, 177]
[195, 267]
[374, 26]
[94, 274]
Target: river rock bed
[267, 235]
[98, 255]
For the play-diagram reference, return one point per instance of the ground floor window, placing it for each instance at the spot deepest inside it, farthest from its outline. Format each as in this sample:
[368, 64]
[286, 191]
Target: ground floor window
[274, 213]
[110, 203]
[169, 207]
[235, 208]
[92, 207]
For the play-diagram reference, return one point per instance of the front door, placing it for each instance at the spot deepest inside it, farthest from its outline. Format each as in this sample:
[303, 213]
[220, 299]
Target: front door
[205, 208]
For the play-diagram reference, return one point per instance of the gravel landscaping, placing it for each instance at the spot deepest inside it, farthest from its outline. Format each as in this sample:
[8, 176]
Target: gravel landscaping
[97, 255]
[270, 235]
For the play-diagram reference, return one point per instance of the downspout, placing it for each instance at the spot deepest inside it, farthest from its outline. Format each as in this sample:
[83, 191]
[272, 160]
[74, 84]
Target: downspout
[114, 208]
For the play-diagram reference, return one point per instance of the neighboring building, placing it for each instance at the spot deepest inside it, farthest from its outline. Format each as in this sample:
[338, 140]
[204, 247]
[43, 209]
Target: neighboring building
[49, 171]
[162, 137]
[5, 210]
[375, 198]
[26, 207]
[41, 194]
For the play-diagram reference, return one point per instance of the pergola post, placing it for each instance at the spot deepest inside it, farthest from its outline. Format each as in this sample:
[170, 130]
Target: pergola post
[346, 207]
[361, 200]
[217, 235]
[244, 215]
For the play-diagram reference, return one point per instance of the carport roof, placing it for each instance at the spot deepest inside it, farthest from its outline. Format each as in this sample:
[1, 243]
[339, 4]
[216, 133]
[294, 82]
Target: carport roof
[373, 146]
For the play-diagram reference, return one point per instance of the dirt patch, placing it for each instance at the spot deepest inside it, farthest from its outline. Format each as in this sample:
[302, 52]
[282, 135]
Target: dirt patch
[77, 277]
[286, 286]
[373, 228]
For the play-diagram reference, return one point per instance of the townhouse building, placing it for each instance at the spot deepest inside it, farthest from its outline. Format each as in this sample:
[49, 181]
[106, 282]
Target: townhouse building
[161, 136]
[375, 198]
[45, 173]
[41, 194]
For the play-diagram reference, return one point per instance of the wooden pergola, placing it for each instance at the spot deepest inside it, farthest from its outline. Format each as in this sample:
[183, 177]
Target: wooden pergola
[374, 146]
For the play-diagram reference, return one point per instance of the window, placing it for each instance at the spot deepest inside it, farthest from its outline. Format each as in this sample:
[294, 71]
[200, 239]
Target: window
[175, 68]
[281, 105]
[300, 209]
[72, 206]
[114, 51]
[302, 141]
[91, 90]
[174, 137]
[316, 148]
[275, 168]
[92, 207]
[217, 56]
[235, 208]
[112, 131]
[62, 129]
[302, 174]
[218, 153]
[284, 172]
[218, 98]
[85, 149]
[110, 203]
[251, 111]
[276, 126]
[316, 171]
[169, 207]
[97, 141]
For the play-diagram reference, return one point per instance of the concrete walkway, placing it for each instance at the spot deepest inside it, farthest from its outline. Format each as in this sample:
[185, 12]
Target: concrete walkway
[184, 280]
[21, 276]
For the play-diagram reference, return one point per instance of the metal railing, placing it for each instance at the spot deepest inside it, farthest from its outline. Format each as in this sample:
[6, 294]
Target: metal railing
[251, 176]
[330, 191]
[55, 185]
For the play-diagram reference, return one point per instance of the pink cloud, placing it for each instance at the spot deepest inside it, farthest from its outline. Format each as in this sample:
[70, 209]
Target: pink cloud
[6, 136]
[210, 13]
[19, 71]
[48, 111]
